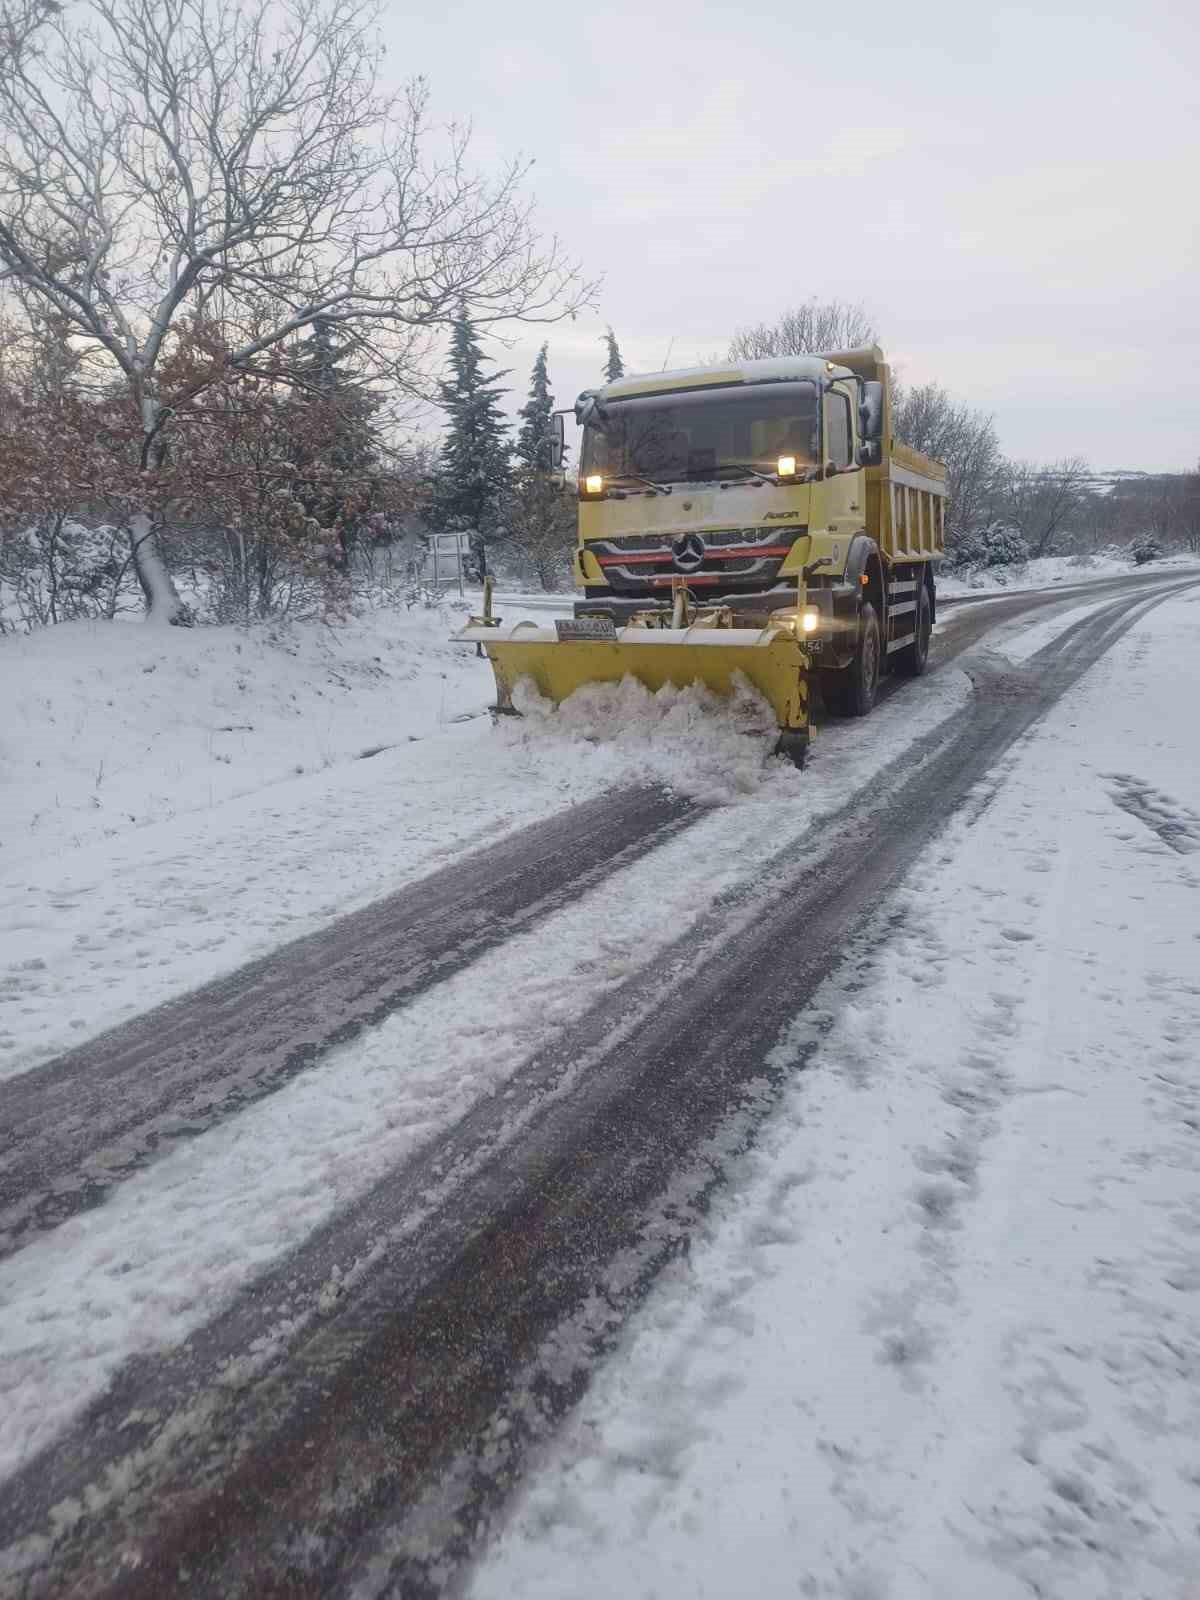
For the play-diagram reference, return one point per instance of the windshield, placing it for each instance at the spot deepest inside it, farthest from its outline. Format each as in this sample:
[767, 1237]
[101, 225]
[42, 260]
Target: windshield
[704, 433]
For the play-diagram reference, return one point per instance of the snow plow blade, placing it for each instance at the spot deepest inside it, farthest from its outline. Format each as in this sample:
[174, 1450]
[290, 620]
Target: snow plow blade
[771, 659]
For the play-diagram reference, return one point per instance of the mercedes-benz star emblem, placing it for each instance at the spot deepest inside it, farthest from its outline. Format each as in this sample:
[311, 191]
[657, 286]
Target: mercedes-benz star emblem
[688, 552]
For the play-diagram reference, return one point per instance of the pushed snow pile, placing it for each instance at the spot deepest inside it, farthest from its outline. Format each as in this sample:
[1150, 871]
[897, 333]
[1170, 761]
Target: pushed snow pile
[110, 726]
[713, 749]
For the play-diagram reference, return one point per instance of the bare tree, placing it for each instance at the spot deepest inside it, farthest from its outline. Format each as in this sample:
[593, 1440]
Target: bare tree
[241, 161]
[808, 329]
[1041, 500]
[934, 422]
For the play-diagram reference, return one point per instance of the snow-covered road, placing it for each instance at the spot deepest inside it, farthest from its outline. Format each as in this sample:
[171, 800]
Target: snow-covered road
[943, 1336]
[926, 1178]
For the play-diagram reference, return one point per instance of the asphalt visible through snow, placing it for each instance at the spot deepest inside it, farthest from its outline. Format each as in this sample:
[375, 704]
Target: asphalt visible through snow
[81, 1123]
[351, 1422]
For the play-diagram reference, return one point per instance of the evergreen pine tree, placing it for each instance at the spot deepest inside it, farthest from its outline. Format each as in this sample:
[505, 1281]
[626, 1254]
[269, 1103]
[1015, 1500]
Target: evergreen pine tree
[614, 367]
[473, 474]
[541, 517]
[533, 440]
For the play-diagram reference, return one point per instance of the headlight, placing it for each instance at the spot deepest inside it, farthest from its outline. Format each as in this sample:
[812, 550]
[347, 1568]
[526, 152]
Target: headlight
[593, 484]
[786, 467]
[810, 619]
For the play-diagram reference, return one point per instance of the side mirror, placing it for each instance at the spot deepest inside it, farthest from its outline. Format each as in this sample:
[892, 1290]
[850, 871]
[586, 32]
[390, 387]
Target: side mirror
[558, 442]
[870, 415]
[589, 409]
[869, 453]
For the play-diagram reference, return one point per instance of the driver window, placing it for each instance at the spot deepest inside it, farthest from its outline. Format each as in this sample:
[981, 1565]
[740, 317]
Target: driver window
[837, 429]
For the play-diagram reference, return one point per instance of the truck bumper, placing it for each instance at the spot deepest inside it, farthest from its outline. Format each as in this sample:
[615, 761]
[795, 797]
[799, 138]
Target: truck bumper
[753, 609]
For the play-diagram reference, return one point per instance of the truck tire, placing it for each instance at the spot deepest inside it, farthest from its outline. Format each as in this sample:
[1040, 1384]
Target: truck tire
[851, 692]
[913, 659]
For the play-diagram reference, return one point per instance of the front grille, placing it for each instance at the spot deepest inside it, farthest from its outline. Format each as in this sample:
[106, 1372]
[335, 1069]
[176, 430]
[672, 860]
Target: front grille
[745, 559]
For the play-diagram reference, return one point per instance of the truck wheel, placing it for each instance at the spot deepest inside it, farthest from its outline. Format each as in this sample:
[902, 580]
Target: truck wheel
[851, 692]
[913, 659]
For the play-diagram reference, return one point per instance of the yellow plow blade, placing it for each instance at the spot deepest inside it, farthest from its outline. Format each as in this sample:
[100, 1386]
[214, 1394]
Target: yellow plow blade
[771, 659]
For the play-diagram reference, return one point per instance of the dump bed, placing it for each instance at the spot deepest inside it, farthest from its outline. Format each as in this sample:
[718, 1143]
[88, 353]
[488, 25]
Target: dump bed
[906, 492]
[906, 503]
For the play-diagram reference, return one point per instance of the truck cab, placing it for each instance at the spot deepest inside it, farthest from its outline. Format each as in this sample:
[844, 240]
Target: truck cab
[765, 486]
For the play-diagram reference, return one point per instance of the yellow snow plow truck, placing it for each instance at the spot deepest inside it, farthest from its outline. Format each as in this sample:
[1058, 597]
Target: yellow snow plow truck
[757, 521]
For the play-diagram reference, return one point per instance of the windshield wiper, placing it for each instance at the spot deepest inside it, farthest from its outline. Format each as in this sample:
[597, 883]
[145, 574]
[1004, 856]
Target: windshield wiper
[772, 478]
[636, 477]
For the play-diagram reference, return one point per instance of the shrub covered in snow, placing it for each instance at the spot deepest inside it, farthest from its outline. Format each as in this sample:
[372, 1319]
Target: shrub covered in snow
[60, 570]
[1145, 548]
[996, 545]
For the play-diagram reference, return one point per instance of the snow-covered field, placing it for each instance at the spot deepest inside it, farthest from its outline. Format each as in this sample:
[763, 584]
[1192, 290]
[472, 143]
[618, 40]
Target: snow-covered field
[979, 1199]
[943, 1336]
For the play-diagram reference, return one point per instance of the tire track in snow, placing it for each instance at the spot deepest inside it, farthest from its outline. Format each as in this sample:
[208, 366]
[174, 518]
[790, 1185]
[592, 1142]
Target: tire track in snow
[351, 1423]
[1177, 825]
[81, 1123]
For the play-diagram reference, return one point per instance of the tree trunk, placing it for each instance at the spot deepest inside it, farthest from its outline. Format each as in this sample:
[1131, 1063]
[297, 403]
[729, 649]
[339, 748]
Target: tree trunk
[163, 603]
[55, 528]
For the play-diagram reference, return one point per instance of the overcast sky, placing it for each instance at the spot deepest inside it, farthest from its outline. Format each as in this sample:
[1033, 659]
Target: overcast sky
[1012, 193]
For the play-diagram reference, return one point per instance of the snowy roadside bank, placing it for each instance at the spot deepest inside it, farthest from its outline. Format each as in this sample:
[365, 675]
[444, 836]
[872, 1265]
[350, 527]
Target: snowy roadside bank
[1050, 572]
[115, 727]
[940, 1338]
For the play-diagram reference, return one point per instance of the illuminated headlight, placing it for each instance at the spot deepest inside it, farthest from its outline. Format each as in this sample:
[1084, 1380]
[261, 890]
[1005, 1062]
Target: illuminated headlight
[810, 619]
[786, 467]
[593, 484]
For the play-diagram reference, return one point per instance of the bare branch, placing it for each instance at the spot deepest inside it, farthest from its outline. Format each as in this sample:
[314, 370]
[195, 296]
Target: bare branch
[933, 421]
[1041, 500]
[808, 329]
[166, 160]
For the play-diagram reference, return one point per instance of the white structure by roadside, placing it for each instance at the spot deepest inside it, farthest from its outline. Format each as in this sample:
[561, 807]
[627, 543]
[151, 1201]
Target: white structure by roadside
[444, 559]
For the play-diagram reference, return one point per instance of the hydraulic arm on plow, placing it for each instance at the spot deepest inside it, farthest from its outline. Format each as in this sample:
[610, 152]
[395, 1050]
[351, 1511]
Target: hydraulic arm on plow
[757, 523]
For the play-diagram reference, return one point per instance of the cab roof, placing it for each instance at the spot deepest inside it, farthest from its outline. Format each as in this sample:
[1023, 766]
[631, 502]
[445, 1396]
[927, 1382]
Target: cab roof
[773, 369]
